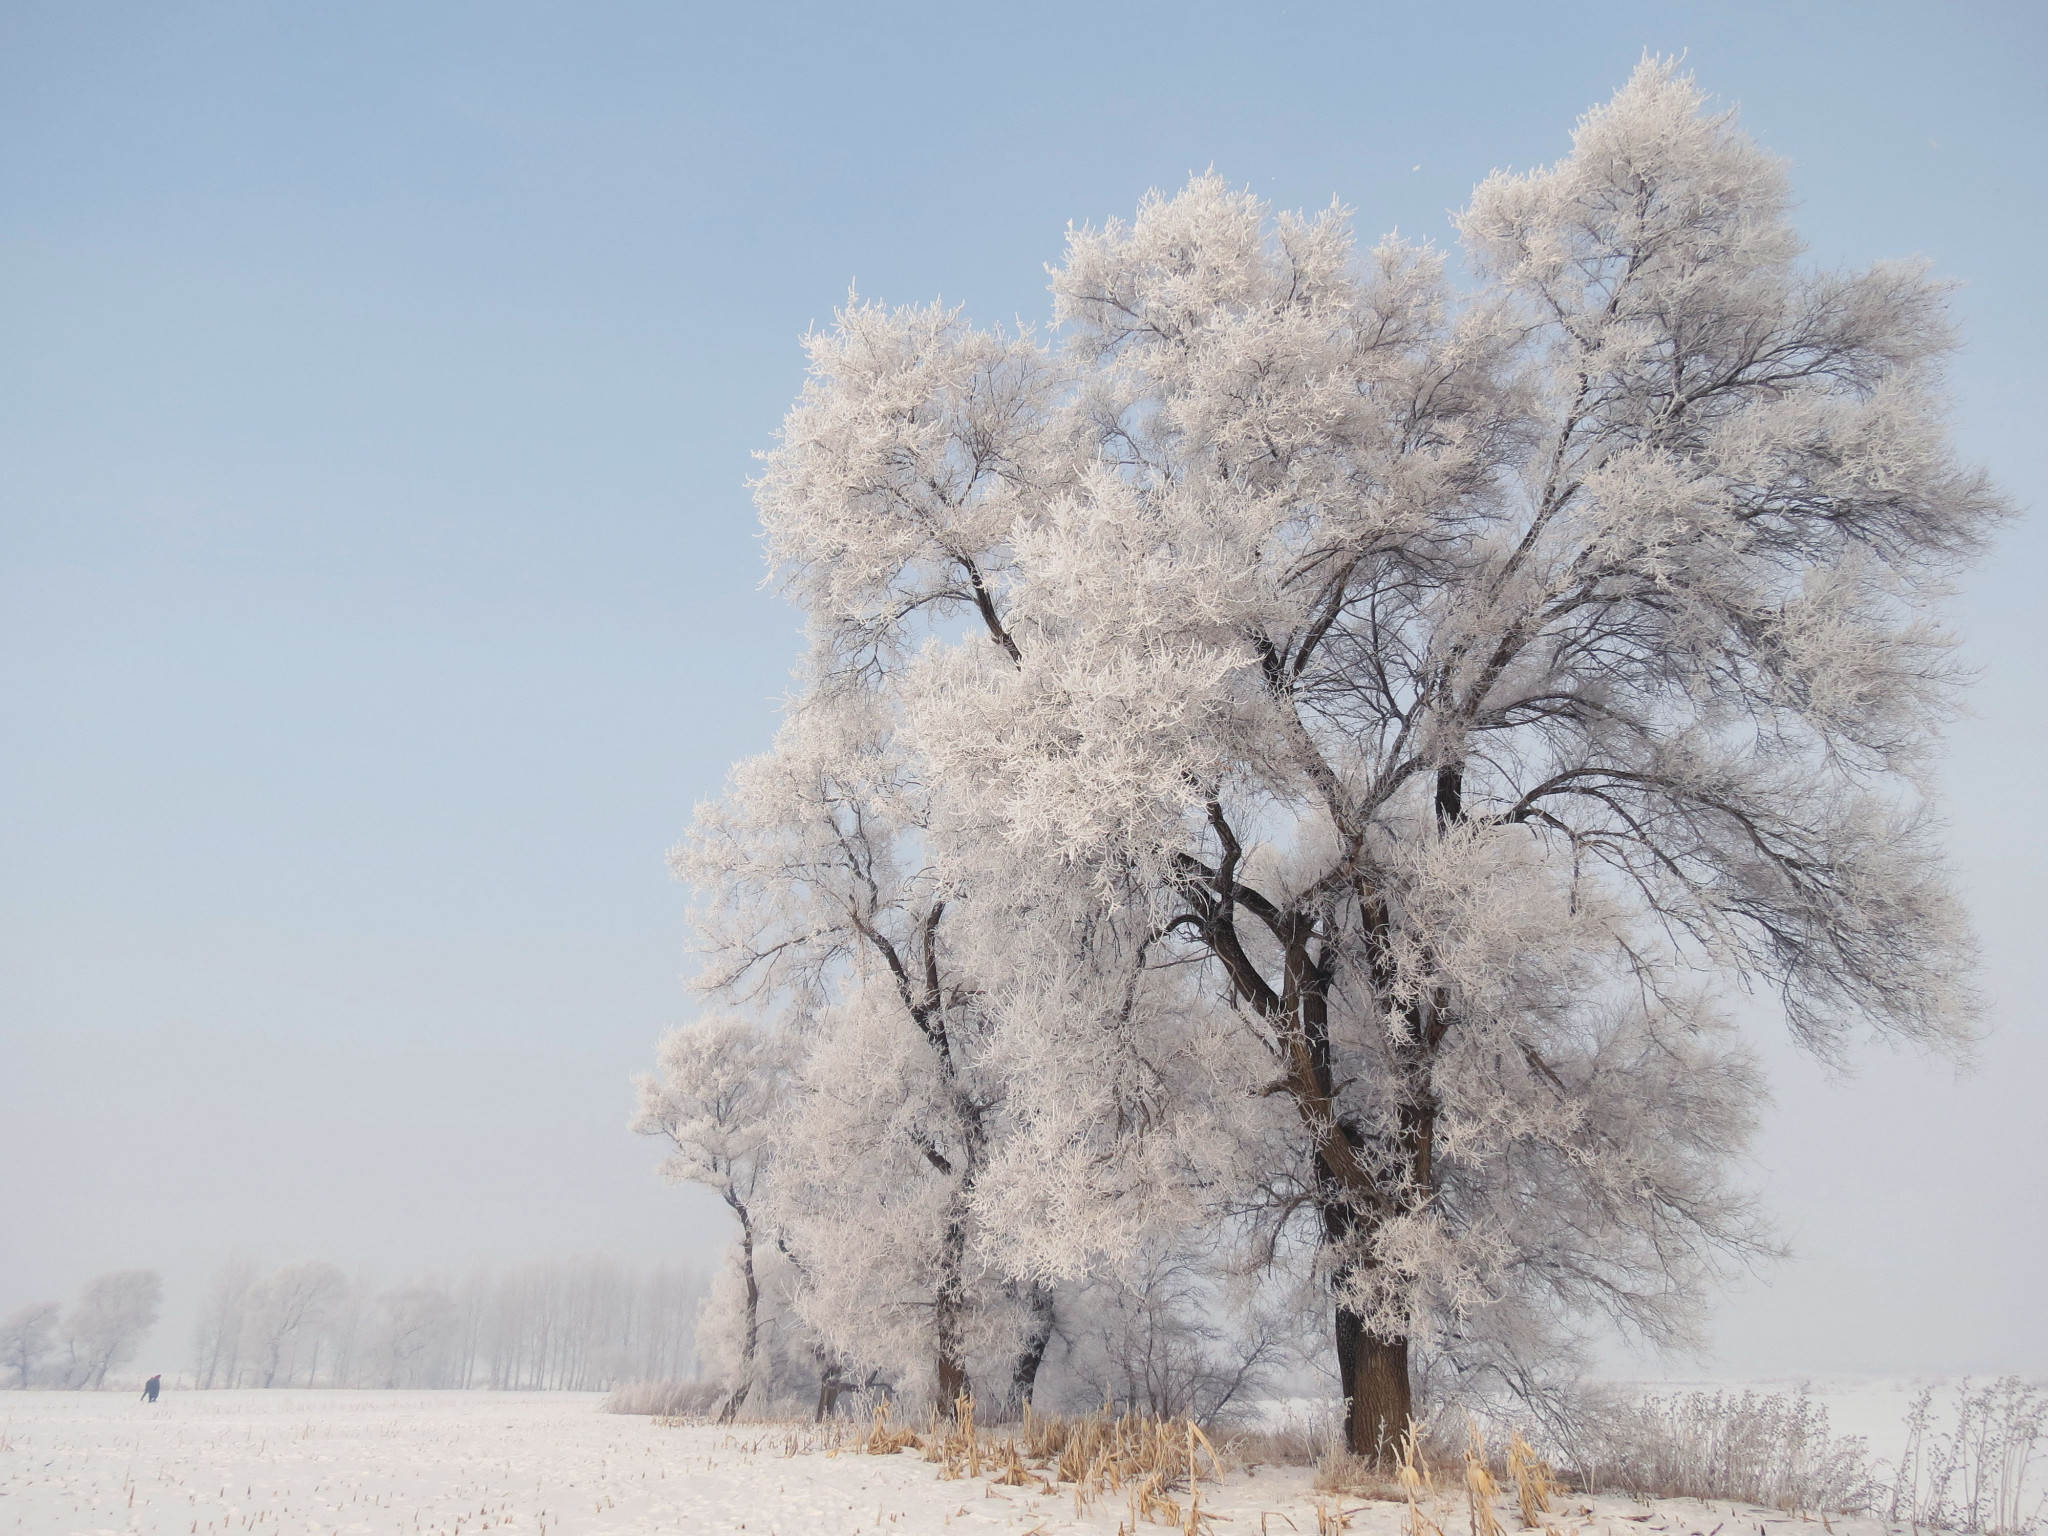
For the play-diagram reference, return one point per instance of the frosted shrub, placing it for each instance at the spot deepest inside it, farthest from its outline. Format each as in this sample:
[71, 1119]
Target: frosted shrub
[1165, 1344]
[1974, 1477]
[1290, 1432]
[1771, 1449]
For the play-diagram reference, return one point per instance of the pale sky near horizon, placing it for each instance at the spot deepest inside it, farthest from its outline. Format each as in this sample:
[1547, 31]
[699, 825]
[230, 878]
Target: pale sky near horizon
[377, 385]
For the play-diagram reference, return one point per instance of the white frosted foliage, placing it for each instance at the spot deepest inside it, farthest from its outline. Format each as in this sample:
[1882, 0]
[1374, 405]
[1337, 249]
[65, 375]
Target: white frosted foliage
[1303, 753]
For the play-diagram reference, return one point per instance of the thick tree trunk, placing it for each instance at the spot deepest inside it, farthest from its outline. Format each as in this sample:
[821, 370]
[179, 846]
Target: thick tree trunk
[1372, 1369]
[1374, 1372]
[950, 1377]
[952, 1383]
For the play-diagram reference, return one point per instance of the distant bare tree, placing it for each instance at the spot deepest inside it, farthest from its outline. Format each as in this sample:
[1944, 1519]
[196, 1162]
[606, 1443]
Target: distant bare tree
[575, 1324]
[473, 1301]
[664, 1329]
[420, 1332]
[347, 1332]
[217, 1336]
[113, 1314]
[291, 1305]
[25, 1339]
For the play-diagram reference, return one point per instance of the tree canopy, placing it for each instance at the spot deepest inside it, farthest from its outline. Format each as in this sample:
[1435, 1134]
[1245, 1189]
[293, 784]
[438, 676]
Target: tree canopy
[1304, 752]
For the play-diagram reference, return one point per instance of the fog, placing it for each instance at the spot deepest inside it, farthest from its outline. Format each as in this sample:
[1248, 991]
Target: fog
[381, 589]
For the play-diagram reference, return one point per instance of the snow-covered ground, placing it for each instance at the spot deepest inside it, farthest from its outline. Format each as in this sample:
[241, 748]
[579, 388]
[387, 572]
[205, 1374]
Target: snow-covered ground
[342, 1463]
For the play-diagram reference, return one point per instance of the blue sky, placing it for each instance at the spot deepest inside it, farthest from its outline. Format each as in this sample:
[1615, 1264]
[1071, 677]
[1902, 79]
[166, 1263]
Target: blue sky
[381, 590]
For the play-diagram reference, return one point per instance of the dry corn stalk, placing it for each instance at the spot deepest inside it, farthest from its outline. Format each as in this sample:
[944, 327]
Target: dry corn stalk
[1133, 1453]
[1480, 1488]
[1197, 1521]
[1534, 1482]
[1015, 1474]
[1149, 1502]
[955, 1444]
[883, 1441]
[1414, 1478]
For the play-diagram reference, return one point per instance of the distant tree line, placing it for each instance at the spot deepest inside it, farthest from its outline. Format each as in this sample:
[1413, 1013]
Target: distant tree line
[42, 1345]
[548, 1324]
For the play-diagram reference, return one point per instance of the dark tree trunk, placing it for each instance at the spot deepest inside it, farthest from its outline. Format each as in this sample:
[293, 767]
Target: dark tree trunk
[949, 1306]
[1374, 1371]
[1350, 1188]
[1024, 1374]
[830, 1385]
[952, 1383]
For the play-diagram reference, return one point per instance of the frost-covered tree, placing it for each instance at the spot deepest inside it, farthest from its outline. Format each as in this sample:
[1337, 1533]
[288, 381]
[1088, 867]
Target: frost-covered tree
[417, 1333]
[752, 1340]
[562, 1324]
[348, 1331]
[223, 1314]
[713, 1097]
[26, 1336]
[287, 1314]
[112, 1316]
[825, 916]
[1333, 743]
[662, 1345]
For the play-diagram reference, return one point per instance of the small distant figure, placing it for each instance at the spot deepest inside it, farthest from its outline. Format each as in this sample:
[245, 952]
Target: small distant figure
[151, 1387]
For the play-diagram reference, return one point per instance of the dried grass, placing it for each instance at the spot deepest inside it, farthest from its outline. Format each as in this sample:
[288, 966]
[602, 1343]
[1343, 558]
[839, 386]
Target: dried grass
[1423, 1460]
[1420, 1455]
[1152, 1464]
[1344, 1475]
[882, 1440]
[1480, 1488]
[1157, 1467]
[1417, 1486]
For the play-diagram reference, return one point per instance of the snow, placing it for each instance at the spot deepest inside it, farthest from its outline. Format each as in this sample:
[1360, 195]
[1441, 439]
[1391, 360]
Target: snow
[425, 1463]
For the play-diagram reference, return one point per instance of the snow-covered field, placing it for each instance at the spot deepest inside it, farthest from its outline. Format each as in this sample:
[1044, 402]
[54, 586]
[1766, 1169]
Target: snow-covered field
[343, 1463]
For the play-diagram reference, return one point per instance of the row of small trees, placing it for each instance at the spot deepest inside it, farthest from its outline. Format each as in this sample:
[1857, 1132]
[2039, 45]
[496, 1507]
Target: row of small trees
[1294, 768]
[565, 1324]
[41, 1344]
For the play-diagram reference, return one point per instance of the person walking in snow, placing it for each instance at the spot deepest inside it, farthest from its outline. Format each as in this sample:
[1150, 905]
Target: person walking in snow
[151, 1387]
